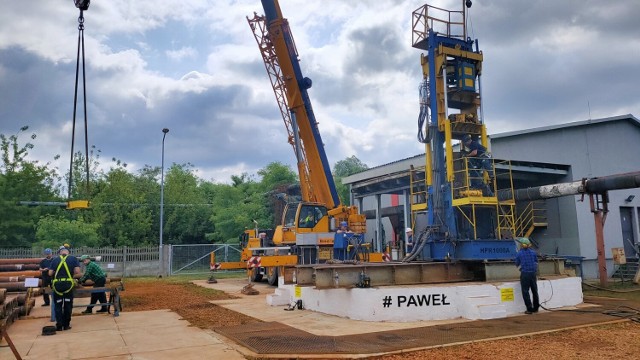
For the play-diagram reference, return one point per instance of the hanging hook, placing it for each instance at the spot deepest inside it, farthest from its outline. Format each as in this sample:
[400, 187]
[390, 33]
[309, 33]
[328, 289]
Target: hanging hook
[82, 4]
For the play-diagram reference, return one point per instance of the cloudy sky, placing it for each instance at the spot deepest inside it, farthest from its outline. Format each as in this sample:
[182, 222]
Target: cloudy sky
[193, 66]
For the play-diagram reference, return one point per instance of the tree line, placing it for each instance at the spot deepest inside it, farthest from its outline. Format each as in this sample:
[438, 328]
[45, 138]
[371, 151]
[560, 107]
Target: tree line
[125, 206]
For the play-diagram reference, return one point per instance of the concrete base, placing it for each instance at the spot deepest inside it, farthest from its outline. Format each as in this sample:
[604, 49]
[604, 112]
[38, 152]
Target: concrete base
[435, 301]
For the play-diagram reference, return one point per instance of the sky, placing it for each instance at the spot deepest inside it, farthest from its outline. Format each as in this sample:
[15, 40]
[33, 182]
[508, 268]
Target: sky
[193, 66]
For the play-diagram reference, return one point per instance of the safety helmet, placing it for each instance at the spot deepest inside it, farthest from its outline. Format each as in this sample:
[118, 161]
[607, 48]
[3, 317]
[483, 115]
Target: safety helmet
[524, 242]
[344, 223]
[408, 230]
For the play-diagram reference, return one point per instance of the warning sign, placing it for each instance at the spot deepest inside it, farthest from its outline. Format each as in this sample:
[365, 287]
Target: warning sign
[506, 294]
[254, 262]
[618, 256]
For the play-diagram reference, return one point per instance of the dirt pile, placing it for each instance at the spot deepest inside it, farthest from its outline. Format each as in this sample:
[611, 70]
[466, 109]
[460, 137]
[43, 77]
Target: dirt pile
[188, 300]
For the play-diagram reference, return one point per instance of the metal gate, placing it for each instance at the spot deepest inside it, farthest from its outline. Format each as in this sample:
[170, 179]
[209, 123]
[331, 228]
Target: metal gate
[194, 259]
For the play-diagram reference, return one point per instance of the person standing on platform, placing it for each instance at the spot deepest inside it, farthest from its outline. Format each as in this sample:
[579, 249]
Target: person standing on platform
[45, 265]
[64, 269]
[527, 261]
[94, 273]
[409, 240]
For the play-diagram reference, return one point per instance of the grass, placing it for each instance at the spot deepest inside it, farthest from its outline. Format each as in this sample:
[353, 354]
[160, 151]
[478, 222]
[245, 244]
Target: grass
[185, 278]
[627, 290]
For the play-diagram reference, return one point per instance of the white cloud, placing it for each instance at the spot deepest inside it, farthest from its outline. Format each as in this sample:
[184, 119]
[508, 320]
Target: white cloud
[185, 52]
[194, 66]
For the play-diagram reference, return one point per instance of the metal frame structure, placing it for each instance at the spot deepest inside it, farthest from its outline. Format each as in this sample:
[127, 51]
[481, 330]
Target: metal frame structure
[464, 219]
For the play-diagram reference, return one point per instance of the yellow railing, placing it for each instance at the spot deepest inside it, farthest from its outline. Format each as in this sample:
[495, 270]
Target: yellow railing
[532, 216]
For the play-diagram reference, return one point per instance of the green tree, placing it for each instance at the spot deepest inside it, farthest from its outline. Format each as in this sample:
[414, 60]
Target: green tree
[122, 211]
[276, 178]
[343, 168]
[23, 180]
[276, 174]
[55, 231]
[236, 206]
[187, 213]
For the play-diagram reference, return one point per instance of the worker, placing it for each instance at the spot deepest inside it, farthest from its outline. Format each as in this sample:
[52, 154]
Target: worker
[344, 227]
[527, 261]
[64, 269]
[94, 273]
[308, 220]
[409, 239]
[479, 160]
[45, 265]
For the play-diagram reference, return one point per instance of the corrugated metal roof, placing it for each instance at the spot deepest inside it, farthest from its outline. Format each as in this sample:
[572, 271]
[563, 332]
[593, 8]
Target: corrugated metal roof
[403, 165]
[627, 117]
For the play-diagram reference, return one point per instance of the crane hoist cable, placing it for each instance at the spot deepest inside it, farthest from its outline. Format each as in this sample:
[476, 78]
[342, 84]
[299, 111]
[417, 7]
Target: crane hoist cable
[82, 5]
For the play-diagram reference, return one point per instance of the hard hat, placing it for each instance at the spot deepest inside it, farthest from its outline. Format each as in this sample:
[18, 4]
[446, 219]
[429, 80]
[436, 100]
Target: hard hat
[408, 230]
[344, 223]
[62, 248]
[47, 251]
[524, 241]
[66, 245]
[85, 257]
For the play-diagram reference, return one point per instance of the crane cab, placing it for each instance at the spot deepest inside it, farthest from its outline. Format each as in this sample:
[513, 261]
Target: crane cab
[302, 217]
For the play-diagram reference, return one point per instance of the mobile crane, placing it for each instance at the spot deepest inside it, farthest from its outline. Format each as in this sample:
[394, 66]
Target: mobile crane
[307, 230]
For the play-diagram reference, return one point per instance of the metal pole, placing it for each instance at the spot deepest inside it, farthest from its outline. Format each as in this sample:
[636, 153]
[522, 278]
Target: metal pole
[161, 257]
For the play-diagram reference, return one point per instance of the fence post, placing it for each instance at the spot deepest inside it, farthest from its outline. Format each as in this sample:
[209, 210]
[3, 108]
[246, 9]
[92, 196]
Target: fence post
[170, 259]
[124, 261]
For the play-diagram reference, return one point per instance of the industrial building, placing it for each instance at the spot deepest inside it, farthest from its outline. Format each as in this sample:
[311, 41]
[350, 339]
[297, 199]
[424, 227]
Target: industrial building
[538, 156]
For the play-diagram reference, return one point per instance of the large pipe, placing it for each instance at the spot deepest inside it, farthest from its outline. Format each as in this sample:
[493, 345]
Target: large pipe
[596, 185]
[19, 267]
[20, 261]
[32, 273]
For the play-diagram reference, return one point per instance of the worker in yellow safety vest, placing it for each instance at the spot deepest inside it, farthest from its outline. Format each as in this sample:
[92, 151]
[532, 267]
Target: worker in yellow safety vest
[64, 269]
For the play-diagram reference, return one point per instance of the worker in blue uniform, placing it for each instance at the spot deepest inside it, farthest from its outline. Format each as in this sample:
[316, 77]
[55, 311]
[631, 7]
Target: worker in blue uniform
[527, 261]
[45, 264]
[64, 269]
[479, 160]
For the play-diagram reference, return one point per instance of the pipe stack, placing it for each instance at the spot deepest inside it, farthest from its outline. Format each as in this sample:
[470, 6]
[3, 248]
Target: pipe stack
[15, 299]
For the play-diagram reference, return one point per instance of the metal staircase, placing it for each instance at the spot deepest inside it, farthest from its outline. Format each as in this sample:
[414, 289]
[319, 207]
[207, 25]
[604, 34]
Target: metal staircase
[531, 217]
[626, 271]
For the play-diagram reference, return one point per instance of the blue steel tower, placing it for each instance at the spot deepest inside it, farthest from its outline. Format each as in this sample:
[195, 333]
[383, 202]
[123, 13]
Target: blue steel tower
[456, 213]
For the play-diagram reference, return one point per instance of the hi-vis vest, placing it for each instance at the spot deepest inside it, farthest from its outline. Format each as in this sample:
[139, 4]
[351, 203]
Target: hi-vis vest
[63, 262]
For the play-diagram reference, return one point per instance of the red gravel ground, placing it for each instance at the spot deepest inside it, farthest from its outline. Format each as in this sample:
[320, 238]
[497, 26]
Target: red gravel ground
[618, 341]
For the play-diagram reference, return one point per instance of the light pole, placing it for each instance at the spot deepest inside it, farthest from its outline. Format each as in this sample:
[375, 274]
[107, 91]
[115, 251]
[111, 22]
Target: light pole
[164, 134]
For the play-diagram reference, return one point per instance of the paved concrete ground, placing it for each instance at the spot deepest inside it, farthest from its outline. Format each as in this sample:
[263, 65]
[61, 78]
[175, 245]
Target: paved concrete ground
[159, 334]
[312, 322]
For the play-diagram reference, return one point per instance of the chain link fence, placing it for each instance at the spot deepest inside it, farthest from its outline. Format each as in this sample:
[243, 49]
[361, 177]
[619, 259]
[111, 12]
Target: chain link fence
[194, 259]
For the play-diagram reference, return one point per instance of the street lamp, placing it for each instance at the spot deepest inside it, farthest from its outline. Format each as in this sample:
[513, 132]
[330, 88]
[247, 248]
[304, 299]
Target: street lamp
[164, 134]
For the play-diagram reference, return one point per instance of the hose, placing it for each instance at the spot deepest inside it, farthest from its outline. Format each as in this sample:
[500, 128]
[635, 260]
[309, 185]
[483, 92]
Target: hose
[422, 240]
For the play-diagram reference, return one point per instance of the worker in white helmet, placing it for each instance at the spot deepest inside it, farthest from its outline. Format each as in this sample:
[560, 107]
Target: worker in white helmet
[409, 239]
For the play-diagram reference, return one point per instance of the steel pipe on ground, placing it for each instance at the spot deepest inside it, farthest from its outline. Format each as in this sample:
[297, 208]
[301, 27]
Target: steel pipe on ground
[20, 261]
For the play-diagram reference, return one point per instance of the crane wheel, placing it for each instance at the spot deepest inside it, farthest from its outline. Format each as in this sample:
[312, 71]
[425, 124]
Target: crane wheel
[272, 275]
[255, 275]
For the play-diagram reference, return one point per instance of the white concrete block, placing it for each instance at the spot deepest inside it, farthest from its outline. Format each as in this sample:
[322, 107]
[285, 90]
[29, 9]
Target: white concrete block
[431, 302]
[280, 297]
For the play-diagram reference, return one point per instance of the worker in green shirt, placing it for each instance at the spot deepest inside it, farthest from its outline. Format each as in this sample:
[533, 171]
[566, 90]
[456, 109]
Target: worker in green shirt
[94, 273]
